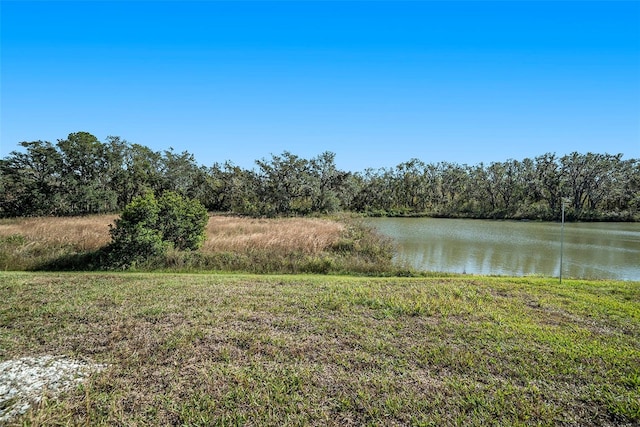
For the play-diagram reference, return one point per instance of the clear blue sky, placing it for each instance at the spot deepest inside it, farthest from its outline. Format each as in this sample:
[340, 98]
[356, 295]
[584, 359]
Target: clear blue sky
[378, 83]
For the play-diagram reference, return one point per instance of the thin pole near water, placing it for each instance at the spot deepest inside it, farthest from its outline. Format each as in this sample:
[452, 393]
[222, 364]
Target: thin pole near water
[561, 241]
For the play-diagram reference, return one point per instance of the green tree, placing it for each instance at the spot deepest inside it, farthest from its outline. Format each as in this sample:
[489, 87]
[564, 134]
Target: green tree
[32, 181]
[504, 187]
[142, 167]
[410, 186]
[453, 187]
[548, 183]
[233, 189]
[286, 185]
[328, 183]
[85, 175]
[375, 193]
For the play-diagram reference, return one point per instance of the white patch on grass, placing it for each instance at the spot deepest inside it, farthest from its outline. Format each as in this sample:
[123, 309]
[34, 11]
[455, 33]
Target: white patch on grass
[24, 381]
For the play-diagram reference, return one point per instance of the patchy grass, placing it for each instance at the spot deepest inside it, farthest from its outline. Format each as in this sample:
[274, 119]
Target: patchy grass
[282, 245]
[325, 350]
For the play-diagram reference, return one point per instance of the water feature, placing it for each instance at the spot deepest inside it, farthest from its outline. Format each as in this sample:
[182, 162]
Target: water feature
[519, 248]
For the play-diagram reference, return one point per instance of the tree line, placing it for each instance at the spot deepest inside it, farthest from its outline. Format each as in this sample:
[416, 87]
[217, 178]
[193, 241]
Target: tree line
[82, 175]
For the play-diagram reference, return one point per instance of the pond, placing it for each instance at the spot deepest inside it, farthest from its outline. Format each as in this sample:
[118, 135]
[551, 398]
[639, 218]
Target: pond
[516, 248]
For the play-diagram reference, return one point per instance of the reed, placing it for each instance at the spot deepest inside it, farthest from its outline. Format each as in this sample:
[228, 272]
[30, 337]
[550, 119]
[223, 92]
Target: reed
[307, 235]
[224, 233]
[83, 233]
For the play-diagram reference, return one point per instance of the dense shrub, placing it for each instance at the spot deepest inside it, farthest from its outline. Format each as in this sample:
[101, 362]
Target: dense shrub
[182, 222]
[148, 226]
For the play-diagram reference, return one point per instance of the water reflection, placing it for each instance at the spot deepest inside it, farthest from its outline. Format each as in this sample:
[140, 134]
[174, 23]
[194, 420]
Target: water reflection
[591, 250]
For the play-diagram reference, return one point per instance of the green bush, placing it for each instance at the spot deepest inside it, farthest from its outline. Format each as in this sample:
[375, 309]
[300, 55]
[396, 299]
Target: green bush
[149, 226]
[182, 221]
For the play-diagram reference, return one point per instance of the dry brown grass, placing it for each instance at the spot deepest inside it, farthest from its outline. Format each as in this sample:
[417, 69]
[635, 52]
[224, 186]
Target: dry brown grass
[228, 234]
[84, 233]
[308, 235]
[285, 245]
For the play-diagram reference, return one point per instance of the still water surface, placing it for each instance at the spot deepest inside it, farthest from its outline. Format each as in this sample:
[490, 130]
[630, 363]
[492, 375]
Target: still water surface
[518, 248]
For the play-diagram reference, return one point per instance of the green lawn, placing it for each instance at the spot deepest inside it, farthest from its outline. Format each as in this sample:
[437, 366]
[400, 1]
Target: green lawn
[320, 350]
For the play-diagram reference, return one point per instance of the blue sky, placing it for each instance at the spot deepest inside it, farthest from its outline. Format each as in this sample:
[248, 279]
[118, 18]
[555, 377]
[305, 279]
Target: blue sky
[378, 83]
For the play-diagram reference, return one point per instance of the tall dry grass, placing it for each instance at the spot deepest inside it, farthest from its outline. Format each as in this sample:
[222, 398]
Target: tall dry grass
[282, 245]
[224, 233]
[84, 233]
[307, 235]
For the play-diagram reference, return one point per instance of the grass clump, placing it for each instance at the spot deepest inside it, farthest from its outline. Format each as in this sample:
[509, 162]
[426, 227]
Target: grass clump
[326, 350]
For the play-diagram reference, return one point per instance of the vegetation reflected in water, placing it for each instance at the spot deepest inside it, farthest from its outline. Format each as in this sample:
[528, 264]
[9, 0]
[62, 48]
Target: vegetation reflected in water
[591, 250]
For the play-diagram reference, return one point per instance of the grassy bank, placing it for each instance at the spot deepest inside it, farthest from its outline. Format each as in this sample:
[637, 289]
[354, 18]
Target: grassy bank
[233, 244]
[324, 350]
